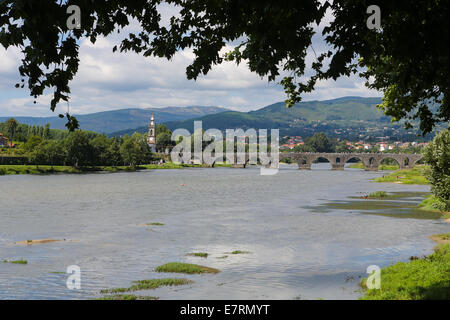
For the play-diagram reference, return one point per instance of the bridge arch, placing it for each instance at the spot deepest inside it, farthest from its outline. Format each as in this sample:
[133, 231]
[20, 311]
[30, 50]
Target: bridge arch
[396, 159]
[355, 157]
[328, 160]
[413, 159]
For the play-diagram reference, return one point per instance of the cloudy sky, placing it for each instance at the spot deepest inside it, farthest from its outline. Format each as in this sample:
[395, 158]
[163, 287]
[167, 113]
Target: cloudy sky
[108, 81]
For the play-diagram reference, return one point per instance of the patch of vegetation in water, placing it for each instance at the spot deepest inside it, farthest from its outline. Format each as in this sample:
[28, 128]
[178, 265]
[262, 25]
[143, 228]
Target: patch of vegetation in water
[419, 279]
[149, 285]
[154, 224]
[198, 254]
[21, 261]
[126, 297]
[378, 194]
[406, 176]
[179, 267]
[240, 252]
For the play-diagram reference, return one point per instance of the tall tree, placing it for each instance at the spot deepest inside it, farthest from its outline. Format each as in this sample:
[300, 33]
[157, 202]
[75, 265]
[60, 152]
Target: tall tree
[11, 127]
[319, 142]
[78, 149]
[407, 58]
[163, 138]
[46, 134]
[132, 150]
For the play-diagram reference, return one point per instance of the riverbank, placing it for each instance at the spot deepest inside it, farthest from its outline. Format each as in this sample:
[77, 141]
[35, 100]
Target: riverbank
[45, 169]
[431, 203]
[426, 278]
[415, 176]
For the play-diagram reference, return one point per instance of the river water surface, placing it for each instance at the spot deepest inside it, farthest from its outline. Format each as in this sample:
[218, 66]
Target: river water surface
[299, 247]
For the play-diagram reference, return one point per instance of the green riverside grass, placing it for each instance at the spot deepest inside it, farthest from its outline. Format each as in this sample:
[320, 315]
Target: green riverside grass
[47, 169]
[431, 203]
[406, 176]
[382, 167]
[188, 268]
[149, 285]
[419, 279]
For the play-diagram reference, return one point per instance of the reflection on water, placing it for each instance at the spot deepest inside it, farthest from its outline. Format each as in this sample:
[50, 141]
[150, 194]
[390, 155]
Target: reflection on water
[305, 241]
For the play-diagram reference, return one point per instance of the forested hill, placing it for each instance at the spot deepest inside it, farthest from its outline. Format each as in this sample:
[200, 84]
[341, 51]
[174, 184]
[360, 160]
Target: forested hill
[115, 120]
[346, 117]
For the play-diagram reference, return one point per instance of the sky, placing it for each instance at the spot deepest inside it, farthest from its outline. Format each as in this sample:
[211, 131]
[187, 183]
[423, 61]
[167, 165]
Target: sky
[111, 81]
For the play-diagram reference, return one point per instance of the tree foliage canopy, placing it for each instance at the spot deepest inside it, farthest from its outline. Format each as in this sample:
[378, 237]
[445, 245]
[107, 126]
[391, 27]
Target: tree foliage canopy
[437, 155]
[407, 59]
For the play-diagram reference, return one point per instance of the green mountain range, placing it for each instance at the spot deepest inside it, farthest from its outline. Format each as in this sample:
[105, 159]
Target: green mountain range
[347, 117]
[352, 118]
[115, 120]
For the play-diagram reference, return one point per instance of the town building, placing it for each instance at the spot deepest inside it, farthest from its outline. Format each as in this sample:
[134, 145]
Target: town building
[3, 141]
[382, 146]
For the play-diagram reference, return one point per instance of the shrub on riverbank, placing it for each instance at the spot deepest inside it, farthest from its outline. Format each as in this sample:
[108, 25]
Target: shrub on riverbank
[419, 279]
[431, 203]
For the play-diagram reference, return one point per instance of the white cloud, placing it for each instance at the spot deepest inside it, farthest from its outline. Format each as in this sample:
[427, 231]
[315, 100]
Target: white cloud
[108, 80]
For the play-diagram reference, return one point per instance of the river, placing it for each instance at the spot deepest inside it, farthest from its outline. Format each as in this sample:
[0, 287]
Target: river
[295, 249]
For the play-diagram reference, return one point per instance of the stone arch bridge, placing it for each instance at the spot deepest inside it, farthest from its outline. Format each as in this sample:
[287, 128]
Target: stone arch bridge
[304, 160]
[371, 161]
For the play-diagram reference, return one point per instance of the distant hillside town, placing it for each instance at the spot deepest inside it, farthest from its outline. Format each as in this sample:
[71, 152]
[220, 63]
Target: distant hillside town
[297, 143]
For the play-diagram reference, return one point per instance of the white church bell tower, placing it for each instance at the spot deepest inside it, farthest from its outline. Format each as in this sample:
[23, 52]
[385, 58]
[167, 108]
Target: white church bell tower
[151, 136]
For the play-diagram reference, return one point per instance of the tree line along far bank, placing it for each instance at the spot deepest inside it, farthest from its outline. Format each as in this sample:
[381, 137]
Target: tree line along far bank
[41, 145]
